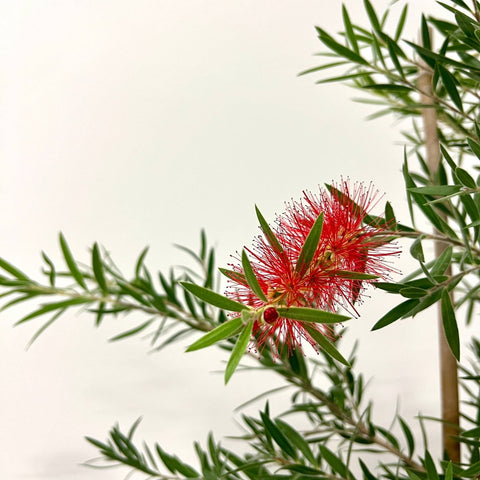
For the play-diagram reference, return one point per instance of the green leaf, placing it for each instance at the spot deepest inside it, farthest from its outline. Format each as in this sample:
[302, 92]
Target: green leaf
[54, 306]
[450, 85]
[416, 250]
[441, 190]
[354, 275]
[339, 49]
[240, 347]
[475, 147]
[432, 473]
[372, 16]
[442, 262]
[237, 277]
[280, 439]
[396, 313]
[213, 298]
[251, 277]
[325, 344]
[388, 87]
[465, 178]
[450, 324]
[140, 261]
[310, 246]
[413, 292]
[401, 23]
[71, 264]
[390, 216]
[52, 272]
[474, 432]
[449, 471]
[305, 314]
[408, 435]
[337, 465]
[272, 239]
[222, 332]
[349, 32]
[296, 439]
[132, 331]
[98, 270]
[425, 34]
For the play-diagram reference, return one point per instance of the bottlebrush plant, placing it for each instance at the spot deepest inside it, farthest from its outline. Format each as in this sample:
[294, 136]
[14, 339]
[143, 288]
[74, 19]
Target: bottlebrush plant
[307, 272]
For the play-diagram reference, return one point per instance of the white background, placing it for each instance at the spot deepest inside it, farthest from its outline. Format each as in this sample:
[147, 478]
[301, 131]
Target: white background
[138, 123]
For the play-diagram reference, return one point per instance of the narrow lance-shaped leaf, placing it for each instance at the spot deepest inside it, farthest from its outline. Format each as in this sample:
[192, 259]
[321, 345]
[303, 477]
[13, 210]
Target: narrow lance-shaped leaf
[54, 306]
[251, 277]
[339, 49]
[325, 344]
[450, 324]
[213, 298]
[396, 313]
[310, 246]
[222, 332]
[240, 347]
[272, 239]
[71, 264]
[311, 315]
[442, 262]
[98, 270]
[233, 275]
[349, 30]
[8, 267]
[449, 82]
[465, 178]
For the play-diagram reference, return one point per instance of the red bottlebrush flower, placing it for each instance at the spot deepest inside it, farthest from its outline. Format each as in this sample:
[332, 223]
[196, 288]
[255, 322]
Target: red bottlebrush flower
[348, 252]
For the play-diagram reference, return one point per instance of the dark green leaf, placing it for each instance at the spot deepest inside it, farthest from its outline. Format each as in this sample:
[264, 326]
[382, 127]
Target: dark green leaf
[98, 270]
[72, 266]
[325, 344]
[54, 306]
[474, 432]
[388, 87]
[442, 262]
[296, 439]
[337, 465]
[413, 292]
[305, 314]
[239, 348]
[272, 239]
[52, 272]
[251, 277]
[213, 298]
[425, 34]
[280, 439]
[222, 332]
[416, 250]
[430, 467]
[408, 435]
[396, 313]
[450, 324]
[475, 147]
[401, 23]
[450, 85]
[349, 30]
[372, 16]
[339, 49]
[310, 246]
[465, 178]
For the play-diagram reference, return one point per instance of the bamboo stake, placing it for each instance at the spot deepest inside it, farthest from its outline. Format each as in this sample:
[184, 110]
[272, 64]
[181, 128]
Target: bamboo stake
[448, 363]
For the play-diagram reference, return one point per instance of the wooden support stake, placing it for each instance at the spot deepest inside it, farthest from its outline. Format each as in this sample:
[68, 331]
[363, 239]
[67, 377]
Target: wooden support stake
[448, 363]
